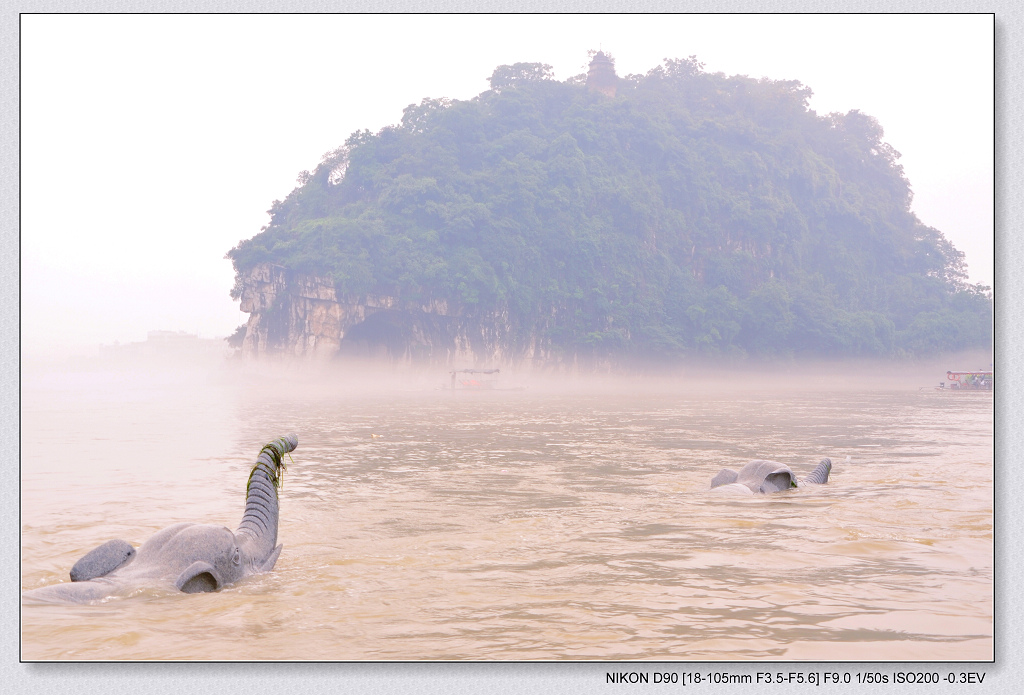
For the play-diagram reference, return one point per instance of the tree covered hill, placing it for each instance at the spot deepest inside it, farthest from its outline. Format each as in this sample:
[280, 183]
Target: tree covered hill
[690, 213]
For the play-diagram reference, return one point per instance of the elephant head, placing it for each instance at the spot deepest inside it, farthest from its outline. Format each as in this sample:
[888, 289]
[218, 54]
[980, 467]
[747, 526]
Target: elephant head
[192, 558]
[226, 557]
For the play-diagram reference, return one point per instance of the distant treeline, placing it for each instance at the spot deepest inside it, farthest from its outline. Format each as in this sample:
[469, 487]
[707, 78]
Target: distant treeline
[692, 213]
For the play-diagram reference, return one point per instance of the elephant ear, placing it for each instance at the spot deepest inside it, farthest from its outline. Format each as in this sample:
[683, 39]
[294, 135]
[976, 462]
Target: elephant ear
[198, 578]
[778, 481]
[102, 560]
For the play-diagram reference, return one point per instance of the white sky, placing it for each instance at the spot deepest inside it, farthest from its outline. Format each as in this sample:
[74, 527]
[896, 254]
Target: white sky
[152, 144]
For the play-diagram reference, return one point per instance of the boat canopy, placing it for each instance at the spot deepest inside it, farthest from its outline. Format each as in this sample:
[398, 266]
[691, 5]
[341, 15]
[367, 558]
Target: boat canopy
[979, 380]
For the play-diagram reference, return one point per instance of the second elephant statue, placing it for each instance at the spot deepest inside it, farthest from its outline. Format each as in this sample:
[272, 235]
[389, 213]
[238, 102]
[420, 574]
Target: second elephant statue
[760, 476]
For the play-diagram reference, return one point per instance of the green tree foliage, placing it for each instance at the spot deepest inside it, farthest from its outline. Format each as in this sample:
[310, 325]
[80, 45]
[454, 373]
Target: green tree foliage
[505, 76]
[693, 213]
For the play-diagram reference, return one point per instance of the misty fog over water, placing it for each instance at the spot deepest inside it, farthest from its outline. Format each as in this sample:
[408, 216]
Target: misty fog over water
[555, 517]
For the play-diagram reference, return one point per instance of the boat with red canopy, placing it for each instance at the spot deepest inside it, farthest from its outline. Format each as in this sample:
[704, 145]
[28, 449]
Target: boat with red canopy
[969, 381]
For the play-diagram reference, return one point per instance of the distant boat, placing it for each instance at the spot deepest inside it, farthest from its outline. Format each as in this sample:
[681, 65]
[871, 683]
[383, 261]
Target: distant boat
[967, 381]
[472, 379]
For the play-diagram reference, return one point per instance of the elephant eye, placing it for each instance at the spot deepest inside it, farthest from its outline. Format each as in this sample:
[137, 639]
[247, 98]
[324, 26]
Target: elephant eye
[237, 559]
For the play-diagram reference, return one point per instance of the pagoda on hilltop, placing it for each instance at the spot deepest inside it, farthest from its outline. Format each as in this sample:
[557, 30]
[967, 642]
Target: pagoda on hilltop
[601, 76]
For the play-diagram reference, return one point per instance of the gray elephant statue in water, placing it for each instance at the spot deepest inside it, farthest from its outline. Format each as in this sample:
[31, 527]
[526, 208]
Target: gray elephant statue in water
[762, 476]
[192, 558]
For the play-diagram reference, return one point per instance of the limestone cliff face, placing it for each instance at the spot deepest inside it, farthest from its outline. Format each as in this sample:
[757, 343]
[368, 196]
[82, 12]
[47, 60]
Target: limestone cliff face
[305, 317]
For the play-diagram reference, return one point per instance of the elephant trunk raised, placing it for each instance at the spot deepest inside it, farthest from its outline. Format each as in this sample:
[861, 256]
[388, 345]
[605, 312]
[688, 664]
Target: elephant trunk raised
[257, 533]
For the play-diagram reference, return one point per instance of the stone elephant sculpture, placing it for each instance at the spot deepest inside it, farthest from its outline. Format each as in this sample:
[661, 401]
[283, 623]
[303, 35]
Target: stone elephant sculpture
[762, 476]
[189, 557]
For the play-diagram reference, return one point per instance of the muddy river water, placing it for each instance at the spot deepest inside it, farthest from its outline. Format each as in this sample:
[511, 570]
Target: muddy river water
[569, 520]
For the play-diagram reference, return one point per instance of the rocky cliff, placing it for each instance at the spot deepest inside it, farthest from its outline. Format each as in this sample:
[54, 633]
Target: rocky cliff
[304, 316]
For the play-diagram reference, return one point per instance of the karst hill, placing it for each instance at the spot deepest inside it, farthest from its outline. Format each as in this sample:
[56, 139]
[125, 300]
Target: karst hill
[657, 216]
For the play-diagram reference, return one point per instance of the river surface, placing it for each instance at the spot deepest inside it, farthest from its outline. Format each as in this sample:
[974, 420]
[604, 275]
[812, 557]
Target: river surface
[568, 521]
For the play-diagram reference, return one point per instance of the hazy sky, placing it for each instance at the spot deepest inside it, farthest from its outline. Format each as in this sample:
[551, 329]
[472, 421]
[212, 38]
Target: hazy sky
[152, 144]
